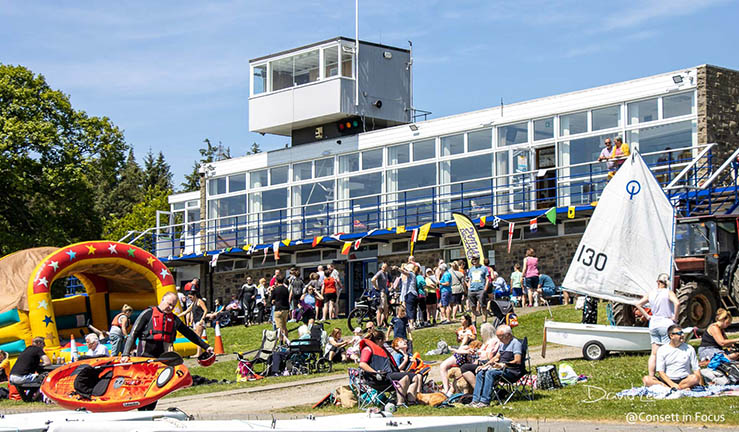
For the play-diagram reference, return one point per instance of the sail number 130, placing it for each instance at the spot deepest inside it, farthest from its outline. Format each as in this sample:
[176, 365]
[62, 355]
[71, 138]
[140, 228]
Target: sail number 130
[588, 257]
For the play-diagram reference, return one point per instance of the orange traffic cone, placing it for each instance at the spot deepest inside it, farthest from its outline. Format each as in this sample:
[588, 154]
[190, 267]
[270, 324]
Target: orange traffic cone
[218, 349]
[72, 349]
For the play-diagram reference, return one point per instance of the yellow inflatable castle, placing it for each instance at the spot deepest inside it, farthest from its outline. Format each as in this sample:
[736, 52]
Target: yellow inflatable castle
[112, 273]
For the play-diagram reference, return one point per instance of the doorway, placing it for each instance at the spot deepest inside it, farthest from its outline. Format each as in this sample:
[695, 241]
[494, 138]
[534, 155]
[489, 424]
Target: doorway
[358, 278]
[546, 178]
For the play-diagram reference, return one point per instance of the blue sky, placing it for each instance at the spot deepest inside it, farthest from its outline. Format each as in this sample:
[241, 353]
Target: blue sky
[173, 73]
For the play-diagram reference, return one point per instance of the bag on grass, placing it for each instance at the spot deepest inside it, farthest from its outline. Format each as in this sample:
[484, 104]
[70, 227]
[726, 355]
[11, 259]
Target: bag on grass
[731, 370]
[580, 303]
[547, 377]
[346, 397]
[567, 375]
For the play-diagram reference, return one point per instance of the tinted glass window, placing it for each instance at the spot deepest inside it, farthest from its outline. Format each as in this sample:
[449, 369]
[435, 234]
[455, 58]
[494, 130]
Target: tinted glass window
[480, 140]
[279, 175]
[575, 123]
[452, 145]
[513, 134]
[544, 128]
[398, 154]
[605, 118]
[642, 111]
[371, 159]
[424, 150]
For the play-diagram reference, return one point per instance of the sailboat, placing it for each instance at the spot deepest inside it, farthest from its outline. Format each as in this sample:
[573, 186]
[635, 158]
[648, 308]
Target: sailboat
[626, 245]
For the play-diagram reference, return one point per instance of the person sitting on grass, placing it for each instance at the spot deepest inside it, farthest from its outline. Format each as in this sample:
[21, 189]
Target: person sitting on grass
[352, 351]
[460, 356]
[380, 369]
[714, 339]
[677, 363]
[467, 332]
[400, 353]
[509, 366]
[335, 349]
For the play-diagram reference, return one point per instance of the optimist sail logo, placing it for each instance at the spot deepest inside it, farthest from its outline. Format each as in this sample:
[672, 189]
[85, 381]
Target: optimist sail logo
[633, 188]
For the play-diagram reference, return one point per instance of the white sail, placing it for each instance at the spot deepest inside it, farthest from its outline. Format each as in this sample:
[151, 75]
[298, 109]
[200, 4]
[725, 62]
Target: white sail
[628, 241]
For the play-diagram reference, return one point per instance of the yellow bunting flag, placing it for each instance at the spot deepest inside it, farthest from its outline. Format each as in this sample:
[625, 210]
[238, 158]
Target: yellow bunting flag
[400, 229]
[482, 221]
[286, 242]
[424, 231]
[346, 248]
[317, 240]
[571, 212]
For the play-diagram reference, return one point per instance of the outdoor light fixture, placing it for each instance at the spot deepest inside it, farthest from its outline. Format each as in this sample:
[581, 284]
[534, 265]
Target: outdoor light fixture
[413, 127]
[677, 79]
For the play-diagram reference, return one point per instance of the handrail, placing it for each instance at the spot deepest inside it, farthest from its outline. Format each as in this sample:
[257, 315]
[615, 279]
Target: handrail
[685, 170]
[723, 166]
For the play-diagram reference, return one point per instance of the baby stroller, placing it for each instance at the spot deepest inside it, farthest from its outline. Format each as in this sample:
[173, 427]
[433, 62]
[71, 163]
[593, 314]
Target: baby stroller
[503, 313]
[306, 355]
[259, 364]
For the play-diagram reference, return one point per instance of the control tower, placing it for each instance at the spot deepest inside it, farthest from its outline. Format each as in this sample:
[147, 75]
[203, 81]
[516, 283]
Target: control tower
[330, 89]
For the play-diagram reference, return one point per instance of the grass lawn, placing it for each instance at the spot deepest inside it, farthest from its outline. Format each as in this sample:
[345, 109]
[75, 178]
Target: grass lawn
[596, 399]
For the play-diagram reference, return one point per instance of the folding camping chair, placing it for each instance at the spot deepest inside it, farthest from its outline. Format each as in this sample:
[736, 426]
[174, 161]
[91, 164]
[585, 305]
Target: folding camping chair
[378, 394]
[523, 385]
[259, 364]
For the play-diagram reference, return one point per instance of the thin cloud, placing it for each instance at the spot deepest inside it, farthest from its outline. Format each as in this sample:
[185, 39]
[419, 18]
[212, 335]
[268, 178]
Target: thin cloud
[643, 11]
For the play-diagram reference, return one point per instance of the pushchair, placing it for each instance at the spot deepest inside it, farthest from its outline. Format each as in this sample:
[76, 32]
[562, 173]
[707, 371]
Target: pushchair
[306, 355]
[503, 313]
[260, 362]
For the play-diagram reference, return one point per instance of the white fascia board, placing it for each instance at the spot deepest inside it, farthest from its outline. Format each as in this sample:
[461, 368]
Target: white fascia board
[182, 197]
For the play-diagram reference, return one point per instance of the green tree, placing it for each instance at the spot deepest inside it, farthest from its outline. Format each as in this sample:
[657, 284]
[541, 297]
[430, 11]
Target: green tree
[141, 216]
[209, 153]
[55, 164]
[254, 148]
[129, 190]
[157, 172]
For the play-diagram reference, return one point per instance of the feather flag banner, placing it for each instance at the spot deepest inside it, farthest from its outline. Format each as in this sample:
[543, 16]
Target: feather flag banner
[266, 251]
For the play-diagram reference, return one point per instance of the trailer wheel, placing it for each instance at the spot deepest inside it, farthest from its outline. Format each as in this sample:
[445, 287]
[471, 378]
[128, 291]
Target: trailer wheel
[594, 350]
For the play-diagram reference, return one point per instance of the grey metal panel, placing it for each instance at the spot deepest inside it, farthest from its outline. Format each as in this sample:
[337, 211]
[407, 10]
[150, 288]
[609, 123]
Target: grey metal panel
[386, 80]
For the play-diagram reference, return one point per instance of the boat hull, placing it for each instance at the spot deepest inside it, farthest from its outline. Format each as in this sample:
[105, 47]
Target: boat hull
[136, 384]
[613, 338]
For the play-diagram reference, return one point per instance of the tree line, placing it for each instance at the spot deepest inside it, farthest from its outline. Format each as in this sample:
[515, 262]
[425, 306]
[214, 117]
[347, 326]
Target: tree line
[66, 176]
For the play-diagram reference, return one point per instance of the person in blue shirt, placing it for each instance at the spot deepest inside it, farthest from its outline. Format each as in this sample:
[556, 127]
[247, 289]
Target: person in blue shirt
[478, 287]
[546, 288]
[445, 292]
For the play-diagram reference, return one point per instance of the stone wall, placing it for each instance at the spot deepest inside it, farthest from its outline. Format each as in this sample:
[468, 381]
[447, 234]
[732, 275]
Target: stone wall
[554, 255]
[718, 109]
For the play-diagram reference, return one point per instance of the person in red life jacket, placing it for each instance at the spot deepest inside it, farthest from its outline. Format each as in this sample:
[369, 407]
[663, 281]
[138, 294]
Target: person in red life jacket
[157, 329]
[119, 329]
[380, 369]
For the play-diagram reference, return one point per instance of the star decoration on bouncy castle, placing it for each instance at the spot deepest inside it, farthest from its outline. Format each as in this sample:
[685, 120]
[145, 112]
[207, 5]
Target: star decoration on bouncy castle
[50, 336]
[72, 254]
[91, 250]
[43, 304]
[150, 261]
[55, 265]
[164, 273]
[112, 250]
[47, 320]
[131, 252]
[43, 282]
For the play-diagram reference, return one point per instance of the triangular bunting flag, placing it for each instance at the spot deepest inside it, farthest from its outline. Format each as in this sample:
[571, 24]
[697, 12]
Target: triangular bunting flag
[551, 215]
[357, 244]
[266, 251]
[533, 225]
[482, 221]
[214, 260]
[511, 226]
[414, 235]
[496, 222]
[400, 229]
[286, 242]
[571, 212]
[423, 232]
[346, 248]
[317, 240]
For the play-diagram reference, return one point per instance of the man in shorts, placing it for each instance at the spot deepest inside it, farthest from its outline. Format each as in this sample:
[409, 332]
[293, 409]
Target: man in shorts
[445, 294]
[478, 286]
[380, 283]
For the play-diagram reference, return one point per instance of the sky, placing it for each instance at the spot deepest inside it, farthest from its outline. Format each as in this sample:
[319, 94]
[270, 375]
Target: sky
[172, 73]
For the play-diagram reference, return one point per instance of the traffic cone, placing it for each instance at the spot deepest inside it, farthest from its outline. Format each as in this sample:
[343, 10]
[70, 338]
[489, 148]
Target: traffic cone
[72, 349]
[218, 349]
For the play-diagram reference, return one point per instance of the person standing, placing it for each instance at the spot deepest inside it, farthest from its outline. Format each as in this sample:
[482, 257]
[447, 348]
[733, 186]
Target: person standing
[119, 329]
[273, 281]
[605, 154]
[531, 275]
[247, 297]
[665, 305]
[330, 295]
[458, 288]
[516, 284]
[297, 286]
[431, 300]
[408, 293]
[618, 156]
[478, 287]
[260, 300]
[445, 294]
[193, 285]
[380, 283]
[281, 303]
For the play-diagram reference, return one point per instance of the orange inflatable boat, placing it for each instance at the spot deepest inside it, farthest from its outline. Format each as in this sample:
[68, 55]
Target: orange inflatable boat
[105, 384]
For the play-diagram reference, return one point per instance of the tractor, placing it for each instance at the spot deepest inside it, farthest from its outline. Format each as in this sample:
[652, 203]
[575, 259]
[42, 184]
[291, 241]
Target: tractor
[706, 274]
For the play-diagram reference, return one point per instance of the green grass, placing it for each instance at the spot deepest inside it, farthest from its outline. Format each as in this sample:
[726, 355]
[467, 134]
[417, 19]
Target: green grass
[593, 400]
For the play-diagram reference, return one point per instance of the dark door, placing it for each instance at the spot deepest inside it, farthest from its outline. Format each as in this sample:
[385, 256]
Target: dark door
[360, 273]
[546, 178]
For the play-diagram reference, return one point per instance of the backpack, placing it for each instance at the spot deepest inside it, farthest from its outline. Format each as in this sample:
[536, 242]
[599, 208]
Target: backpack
[511, 319]
[731, 370]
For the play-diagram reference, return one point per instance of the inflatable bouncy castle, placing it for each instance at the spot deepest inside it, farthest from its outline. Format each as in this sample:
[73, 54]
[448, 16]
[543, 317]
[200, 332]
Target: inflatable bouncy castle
[112, 274]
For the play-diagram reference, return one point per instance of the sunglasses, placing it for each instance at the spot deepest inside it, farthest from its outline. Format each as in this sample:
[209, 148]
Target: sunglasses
[679, 333]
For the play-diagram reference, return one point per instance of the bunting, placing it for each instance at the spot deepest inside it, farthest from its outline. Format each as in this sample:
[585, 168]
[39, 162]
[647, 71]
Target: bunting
[317, 240]
[511, 226]
[571, 212]
[482, 221]
[346, 248]
[400, 229]
[266, 250]
[551, 215]
[286, 242]
[423, 232]
[336, 236]
[414, 239]
[276, 248]
[496, 222]
[533, 225]
[357, 244]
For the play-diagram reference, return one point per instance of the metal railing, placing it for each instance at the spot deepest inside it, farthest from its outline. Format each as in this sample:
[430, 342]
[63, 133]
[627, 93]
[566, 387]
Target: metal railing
[501, 195]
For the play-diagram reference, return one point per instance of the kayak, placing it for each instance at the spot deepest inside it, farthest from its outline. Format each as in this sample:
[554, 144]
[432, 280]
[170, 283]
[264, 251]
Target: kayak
[40, 421]
[104, 384]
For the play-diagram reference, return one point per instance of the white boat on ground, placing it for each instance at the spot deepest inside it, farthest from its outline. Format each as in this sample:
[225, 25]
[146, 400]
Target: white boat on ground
[596, 340]
[41, 421]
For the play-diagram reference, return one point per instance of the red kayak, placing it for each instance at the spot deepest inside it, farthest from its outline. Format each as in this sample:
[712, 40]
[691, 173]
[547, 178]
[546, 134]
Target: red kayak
[105, 384]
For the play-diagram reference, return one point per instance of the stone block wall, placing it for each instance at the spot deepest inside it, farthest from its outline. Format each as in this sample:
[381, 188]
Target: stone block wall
[554, 255]
[718, 109]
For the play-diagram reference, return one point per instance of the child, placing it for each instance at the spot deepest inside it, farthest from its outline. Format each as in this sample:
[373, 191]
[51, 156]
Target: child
[516, 286]
[353, 351]
[400, 327]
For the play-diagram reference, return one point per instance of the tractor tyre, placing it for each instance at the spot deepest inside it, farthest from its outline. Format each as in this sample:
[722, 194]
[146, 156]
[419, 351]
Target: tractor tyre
[698, 304]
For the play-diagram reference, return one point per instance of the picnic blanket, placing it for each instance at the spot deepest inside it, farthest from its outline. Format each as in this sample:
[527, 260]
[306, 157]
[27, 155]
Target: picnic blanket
[663, 392]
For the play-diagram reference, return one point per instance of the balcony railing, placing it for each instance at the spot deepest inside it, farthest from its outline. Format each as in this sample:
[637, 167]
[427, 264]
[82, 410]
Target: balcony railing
[502, 195]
